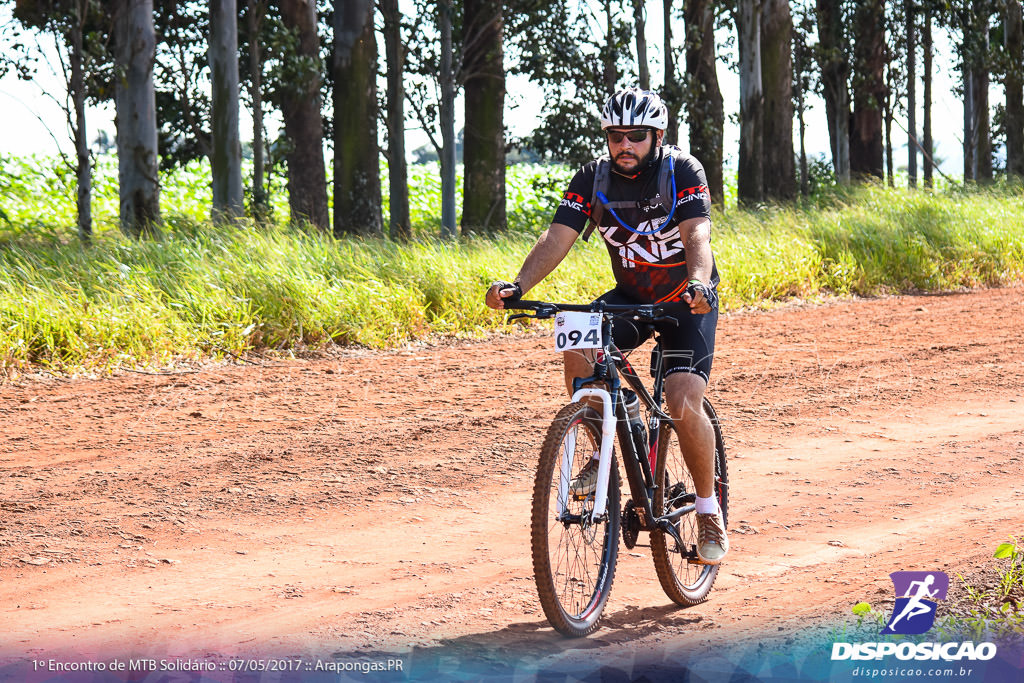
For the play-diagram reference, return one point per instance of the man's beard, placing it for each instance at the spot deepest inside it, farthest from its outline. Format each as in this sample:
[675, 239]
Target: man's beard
[640, 166]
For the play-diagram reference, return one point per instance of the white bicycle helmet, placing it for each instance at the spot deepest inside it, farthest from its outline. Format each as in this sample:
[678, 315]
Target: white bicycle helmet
[634, 107]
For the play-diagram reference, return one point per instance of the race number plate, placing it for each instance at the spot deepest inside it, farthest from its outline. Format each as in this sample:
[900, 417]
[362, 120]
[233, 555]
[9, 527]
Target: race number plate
[577, 331]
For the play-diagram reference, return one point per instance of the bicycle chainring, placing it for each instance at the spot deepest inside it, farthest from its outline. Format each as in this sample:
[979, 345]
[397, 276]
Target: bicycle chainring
[630, 524]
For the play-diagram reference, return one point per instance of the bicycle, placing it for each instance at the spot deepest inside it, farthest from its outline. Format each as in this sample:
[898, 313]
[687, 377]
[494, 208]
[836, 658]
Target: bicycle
[574, 538]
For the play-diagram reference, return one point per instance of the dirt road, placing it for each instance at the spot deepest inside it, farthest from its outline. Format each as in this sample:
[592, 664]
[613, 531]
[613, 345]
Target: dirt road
[379, 501]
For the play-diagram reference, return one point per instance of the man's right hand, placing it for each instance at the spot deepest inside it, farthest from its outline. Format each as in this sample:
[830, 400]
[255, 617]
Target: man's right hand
[500, 291]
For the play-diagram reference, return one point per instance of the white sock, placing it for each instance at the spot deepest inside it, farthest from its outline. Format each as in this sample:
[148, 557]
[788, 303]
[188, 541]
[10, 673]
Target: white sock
[707, 506]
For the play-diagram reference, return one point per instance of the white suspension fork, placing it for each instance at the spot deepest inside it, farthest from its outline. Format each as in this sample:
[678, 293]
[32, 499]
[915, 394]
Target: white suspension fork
[604, 468]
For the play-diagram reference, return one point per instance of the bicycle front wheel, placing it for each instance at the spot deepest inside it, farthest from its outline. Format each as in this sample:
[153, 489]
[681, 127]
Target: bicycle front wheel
[684, 581]
[573, 556]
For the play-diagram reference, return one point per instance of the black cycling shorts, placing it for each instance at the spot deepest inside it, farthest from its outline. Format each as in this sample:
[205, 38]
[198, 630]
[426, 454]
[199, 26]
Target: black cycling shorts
[690, 347]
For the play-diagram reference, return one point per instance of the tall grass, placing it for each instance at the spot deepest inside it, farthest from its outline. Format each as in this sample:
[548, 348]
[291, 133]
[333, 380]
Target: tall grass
[201, 290]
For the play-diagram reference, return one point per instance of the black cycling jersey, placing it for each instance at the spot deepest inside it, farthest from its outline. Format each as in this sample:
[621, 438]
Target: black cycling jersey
[647, 268]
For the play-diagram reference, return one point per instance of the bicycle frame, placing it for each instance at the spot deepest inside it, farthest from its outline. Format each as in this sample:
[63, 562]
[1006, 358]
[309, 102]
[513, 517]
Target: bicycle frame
[639, 467]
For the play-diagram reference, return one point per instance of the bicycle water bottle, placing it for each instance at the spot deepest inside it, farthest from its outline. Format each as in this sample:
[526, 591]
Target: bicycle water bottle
[636, 424]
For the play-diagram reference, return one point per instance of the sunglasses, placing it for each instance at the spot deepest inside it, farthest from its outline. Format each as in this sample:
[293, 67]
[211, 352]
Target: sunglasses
[639, 135]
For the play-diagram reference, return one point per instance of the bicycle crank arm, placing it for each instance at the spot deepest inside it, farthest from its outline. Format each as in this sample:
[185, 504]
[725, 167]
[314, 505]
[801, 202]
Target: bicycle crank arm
[677, 513]
[666, 525]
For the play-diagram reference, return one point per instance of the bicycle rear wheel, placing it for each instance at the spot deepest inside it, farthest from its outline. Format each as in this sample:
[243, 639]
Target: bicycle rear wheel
[685, 582]
[573, 557]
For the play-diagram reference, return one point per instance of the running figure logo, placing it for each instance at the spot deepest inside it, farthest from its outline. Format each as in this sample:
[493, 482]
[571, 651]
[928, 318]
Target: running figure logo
[916, 596]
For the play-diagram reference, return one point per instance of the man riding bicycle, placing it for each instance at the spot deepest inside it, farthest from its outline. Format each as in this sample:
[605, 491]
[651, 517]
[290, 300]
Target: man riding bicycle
[652, 207]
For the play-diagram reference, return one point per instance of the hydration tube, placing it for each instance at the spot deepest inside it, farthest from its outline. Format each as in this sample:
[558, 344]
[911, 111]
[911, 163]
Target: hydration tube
[604, 201]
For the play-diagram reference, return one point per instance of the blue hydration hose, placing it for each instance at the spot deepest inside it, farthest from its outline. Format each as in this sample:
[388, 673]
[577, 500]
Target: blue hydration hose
[604, 200]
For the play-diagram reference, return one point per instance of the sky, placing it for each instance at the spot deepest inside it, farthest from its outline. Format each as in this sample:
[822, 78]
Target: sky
[31, 121]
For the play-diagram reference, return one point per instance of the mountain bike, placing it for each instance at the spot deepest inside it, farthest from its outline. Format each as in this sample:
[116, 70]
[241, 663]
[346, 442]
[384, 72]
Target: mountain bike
[574, 537]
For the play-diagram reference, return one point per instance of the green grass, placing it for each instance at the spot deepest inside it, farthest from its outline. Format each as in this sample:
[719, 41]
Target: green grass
[202, 290]
[987, 613]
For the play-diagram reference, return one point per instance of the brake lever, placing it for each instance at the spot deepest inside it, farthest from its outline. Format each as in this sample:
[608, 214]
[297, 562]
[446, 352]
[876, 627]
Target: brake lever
[517, 316]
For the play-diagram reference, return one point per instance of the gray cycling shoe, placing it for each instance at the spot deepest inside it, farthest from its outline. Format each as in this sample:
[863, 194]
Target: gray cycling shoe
[584, 483]
[712, 542]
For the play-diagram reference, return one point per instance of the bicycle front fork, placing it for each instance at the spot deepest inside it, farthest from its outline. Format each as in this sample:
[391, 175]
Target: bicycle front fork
[604, 468]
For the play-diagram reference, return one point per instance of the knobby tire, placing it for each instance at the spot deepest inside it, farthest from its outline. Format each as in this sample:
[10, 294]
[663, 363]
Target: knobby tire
[573, 566]
[684, 582]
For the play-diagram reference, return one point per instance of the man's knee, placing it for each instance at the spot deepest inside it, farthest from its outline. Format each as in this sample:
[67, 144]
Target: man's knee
[577, 364]
[684, 393]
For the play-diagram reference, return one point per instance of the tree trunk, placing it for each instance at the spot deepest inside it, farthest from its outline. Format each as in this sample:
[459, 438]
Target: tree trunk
[868, 91]
[982, 129]
[702, 96]
[447, 115]
[926, 133]
[670, 91]
[483, 196]
[835, 72]
[977, 143]
[887, 114]
[908, 6]
[777, 78]
[800, 67]
[226, 148]
[610, 73]
[641, 44]
[357, 198]
[83, 162]
[399, 225]
[1014, 84]
[139, 187]
[254, 18]
[750, 177]
[970, 130]
[300, 109]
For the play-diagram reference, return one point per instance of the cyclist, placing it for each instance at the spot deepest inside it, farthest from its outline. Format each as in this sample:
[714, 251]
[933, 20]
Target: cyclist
[651, 204]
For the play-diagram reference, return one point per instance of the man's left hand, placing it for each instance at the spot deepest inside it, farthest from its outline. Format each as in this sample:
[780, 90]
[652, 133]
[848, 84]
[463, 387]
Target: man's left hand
[701, 297]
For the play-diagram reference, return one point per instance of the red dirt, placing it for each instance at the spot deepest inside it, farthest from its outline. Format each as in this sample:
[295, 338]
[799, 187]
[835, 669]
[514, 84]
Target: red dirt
[378, 501]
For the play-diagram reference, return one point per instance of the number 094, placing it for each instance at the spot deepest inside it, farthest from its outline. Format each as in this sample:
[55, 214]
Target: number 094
[573, 338]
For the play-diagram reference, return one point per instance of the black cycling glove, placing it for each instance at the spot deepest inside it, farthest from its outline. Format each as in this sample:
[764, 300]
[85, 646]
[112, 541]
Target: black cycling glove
[709, 293]
[512, 298]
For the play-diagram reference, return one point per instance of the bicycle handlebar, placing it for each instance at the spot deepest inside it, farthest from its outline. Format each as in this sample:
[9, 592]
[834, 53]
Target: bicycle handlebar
[545, 309]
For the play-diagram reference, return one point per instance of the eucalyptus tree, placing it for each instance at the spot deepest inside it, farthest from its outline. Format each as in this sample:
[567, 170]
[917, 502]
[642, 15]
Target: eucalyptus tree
[137, 160]
[972, 18]
[671, 88]
[225, 147]
[702, 96]
[640, 26]
[399, 225]
[483, 79]
[896, 81]
[433, 58]
[357, 193]
[82, 32]
[778, 162]
[750, 174]
[927, 51]
[833, 55]
[804, 82]
[298, 96]
[251, 48]
[1013, 43]
[910, 22]
[868, 88]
